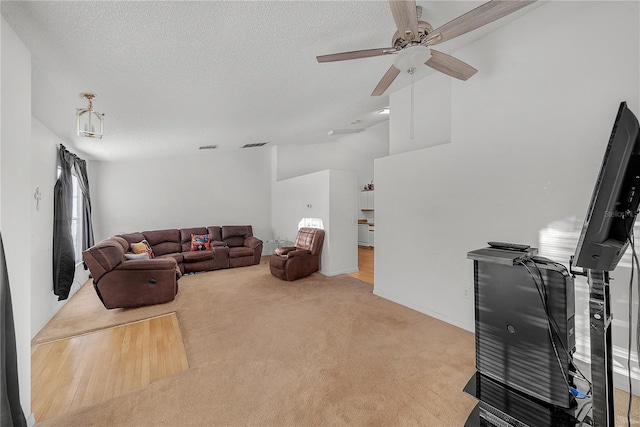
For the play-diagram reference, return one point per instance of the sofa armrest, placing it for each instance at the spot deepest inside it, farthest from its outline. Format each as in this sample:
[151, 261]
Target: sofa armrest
[148, 264]
[283, 251]
[298, 252]
[217, 243]
[252, 242]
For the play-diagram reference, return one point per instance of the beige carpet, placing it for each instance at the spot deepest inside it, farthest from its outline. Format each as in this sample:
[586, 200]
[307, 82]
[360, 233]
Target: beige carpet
[320, 351]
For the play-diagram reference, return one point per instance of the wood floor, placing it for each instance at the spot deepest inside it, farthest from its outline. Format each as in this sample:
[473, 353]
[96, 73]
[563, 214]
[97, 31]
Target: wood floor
[84, 370]
[365, 265]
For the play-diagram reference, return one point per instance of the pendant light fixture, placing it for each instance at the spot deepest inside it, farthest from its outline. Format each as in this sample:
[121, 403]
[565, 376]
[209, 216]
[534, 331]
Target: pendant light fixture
[89, 123]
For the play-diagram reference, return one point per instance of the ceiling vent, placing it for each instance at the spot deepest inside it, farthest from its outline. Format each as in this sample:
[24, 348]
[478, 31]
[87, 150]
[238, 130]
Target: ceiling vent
[344, 131]
[208, 147]
[257, 144]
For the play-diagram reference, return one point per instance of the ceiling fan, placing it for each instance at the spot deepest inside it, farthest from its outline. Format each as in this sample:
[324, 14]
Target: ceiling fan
[412, 40]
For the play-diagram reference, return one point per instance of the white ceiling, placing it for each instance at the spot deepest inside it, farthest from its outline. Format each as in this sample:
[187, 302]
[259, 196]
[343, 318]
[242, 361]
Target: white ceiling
[173, 76]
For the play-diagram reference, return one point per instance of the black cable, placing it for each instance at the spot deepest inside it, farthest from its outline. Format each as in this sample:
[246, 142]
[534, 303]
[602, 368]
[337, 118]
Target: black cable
[630, 338]
[542, 294]
[556, 331]
[634, 264]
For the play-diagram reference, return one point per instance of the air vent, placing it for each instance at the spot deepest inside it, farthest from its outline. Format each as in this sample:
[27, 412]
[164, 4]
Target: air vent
[208, 147]
[257, 144]
[344, 131]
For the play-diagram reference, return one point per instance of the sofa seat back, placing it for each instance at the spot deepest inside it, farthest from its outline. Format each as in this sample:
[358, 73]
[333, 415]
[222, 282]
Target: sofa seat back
[132, 238]
[310, 239]
[164, 241]
[235, 235]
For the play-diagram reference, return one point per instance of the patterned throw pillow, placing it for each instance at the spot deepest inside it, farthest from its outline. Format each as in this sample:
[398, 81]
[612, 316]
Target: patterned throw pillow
[200, 242]
[141, 248]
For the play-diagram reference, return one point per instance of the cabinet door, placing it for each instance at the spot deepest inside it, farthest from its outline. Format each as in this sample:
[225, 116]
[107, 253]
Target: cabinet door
[371, 235]
[363, 200]
[366, 200]
[363, 235]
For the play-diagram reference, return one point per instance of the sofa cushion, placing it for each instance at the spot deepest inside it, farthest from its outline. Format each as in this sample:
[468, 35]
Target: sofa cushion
[132, 237]
[178, 256]
[200, 242]
[240, 252]
[164, 241]
[185, 236]
[235, 241]
[197, 256]
[243, 231]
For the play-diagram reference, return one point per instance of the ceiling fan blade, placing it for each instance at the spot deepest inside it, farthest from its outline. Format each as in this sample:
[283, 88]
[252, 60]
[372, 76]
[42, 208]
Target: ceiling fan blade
[405, 15]
[356, 54]
[450, 66]
[476, 18]
[386, 81]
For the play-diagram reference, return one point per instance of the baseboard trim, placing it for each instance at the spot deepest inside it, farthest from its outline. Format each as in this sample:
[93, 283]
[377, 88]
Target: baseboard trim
[336, 273]
[416, 307]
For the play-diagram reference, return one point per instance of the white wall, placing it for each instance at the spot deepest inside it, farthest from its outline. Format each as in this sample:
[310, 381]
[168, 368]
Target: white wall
[428, 122]
[15, 195]
[305, 196]
[330, 195]
[344, 200]
[354, 152]
[527, 138]
[44, 155]
[212, 188]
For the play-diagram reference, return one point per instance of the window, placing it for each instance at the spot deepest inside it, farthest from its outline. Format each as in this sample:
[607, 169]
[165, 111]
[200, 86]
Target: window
[311, 222]
[76, 217]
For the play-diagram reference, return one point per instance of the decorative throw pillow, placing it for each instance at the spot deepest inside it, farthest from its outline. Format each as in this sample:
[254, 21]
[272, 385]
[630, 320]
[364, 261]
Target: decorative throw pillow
[143, 255]
[200, 242]
[142, 247]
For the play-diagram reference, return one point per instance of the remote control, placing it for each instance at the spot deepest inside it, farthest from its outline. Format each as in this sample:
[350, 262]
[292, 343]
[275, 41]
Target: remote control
[509, 246]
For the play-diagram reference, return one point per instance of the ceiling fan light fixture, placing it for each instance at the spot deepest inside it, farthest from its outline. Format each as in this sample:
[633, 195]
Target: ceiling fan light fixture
[412, 57]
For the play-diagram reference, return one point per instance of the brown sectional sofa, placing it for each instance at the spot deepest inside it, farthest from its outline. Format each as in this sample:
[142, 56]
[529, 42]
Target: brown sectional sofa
[121, 282]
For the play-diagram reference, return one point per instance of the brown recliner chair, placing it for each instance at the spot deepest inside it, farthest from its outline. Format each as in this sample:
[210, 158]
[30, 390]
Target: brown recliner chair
[294, 262]
[122, 283]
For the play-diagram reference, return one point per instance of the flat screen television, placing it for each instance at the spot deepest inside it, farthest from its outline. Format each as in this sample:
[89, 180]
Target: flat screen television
[614, 203]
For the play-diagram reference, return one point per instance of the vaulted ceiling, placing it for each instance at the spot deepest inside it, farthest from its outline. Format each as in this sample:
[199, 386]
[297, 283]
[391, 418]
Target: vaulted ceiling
[173, 76]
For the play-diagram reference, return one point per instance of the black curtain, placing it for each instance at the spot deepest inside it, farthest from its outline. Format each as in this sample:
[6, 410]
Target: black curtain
[10, 410]
[80, 167]
[64, 264]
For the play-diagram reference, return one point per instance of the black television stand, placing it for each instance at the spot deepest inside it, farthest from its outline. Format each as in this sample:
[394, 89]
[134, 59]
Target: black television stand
[601, 348]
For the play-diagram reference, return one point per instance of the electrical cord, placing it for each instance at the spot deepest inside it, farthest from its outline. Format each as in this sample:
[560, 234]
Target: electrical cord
[543, 298]
[634, 265]
[629, 336]
[551, 321]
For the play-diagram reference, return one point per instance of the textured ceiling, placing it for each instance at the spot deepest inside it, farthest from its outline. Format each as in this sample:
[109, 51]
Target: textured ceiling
[173, 76]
